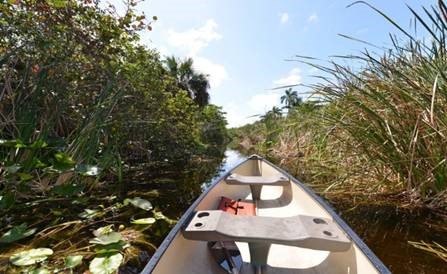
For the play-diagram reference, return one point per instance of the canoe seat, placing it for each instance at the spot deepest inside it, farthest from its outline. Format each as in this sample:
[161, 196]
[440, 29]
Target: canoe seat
[256, 182]
[260, 232]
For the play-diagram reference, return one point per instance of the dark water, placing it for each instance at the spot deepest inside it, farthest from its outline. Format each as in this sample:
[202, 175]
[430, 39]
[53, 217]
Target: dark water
[385, 230]
[231, 159]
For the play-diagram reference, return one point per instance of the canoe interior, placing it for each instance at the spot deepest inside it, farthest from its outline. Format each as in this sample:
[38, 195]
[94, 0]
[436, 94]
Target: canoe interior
[186, 256]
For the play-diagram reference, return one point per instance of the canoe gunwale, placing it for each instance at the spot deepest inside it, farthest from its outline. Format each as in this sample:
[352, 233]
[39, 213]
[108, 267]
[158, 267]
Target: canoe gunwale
[182, 222]
[378, 264]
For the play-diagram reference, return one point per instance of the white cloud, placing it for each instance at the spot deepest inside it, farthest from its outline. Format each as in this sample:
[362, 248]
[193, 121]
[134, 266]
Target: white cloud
[256, 105]
[313, 18]
[191, 42]
[292, 78]
[284, 17]
[217, 72]
[163, 51]
[261, 103]
[195, 39]
[237, 116]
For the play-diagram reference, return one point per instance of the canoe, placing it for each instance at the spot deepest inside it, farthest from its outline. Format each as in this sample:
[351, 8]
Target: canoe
[259, 219]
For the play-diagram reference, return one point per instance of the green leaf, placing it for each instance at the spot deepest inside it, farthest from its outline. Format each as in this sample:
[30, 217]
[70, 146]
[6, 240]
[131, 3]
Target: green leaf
[12, 143]
[25, 176]
[29, 257]
[106, 265]
[112, 237]
[73, 261]
[38, 144]
[39, 271]
[16, 233]
[138, 202]
[7, 143]
[103, 230]
[38, 163]
[20, 144]
[58, 3]
[67, 190]
[89, 213]
[88, 170]
[111, 248]
[160, 216]
[7, 200]
[144, 221]
[63, 162]
[13, 168]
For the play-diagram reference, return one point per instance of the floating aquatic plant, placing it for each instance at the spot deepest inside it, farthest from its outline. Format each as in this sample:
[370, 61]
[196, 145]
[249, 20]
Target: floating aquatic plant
[30, 257]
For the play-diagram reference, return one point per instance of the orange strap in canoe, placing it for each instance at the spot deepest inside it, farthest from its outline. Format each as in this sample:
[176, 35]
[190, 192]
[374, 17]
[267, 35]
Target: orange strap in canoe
[237, 207]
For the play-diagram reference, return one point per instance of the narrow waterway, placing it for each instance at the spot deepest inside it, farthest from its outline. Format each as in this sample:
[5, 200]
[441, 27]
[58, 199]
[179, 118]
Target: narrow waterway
[230, 160]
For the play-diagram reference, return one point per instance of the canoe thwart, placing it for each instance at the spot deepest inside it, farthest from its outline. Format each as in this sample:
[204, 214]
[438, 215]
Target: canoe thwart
[236, 179]
[260, 232]
[301, 230]
[256, 182]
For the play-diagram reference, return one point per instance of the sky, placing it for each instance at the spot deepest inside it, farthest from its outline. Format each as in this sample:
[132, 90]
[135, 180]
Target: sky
[245, 46]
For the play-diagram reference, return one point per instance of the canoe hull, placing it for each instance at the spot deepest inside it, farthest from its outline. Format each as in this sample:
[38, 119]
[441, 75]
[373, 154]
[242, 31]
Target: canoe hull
[179, 255]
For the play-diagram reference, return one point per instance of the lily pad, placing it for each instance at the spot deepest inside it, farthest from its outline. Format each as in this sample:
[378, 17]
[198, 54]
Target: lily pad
[140, 203]
[103, 230]
[29, 257]
[16, 233]
[105, 239]
[73, 261]
[111, 248]
[106, 265]
[144, 221]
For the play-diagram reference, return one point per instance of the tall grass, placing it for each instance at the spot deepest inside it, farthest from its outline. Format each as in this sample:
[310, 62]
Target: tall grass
[395, 108]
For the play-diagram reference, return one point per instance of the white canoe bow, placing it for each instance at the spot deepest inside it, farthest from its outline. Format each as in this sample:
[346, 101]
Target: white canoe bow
[292, 231]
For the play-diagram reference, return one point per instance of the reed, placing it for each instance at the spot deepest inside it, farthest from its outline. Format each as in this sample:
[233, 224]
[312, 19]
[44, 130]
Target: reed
[380, 127]
[433, 248]
[395, 108]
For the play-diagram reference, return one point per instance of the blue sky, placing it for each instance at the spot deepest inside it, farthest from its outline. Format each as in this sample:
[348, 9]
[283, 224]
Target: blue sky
[243, 45]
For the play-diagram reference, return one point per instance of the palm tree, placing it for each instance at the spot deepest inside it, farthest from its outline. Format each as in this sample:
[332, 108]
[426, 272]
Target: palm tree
[188, 79]
[274, 113]
[290, 99]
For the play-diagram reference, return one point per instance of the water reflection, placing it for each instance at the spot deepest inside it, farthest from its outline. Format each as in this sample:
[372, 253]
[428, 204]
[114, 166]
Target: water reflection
[387, 230]
[179, 190]
[231, 159]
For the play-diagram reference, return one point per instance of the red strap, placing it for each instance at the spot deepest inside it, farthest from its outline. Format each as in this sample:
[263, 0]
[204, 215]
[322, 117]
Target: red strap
[237, 207]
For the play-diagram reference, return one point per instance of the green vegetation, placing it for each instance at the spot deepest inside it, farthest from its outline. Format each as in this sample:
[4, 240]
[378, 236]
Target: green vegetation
[375, 131]
[373, 135]
[87, 118]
